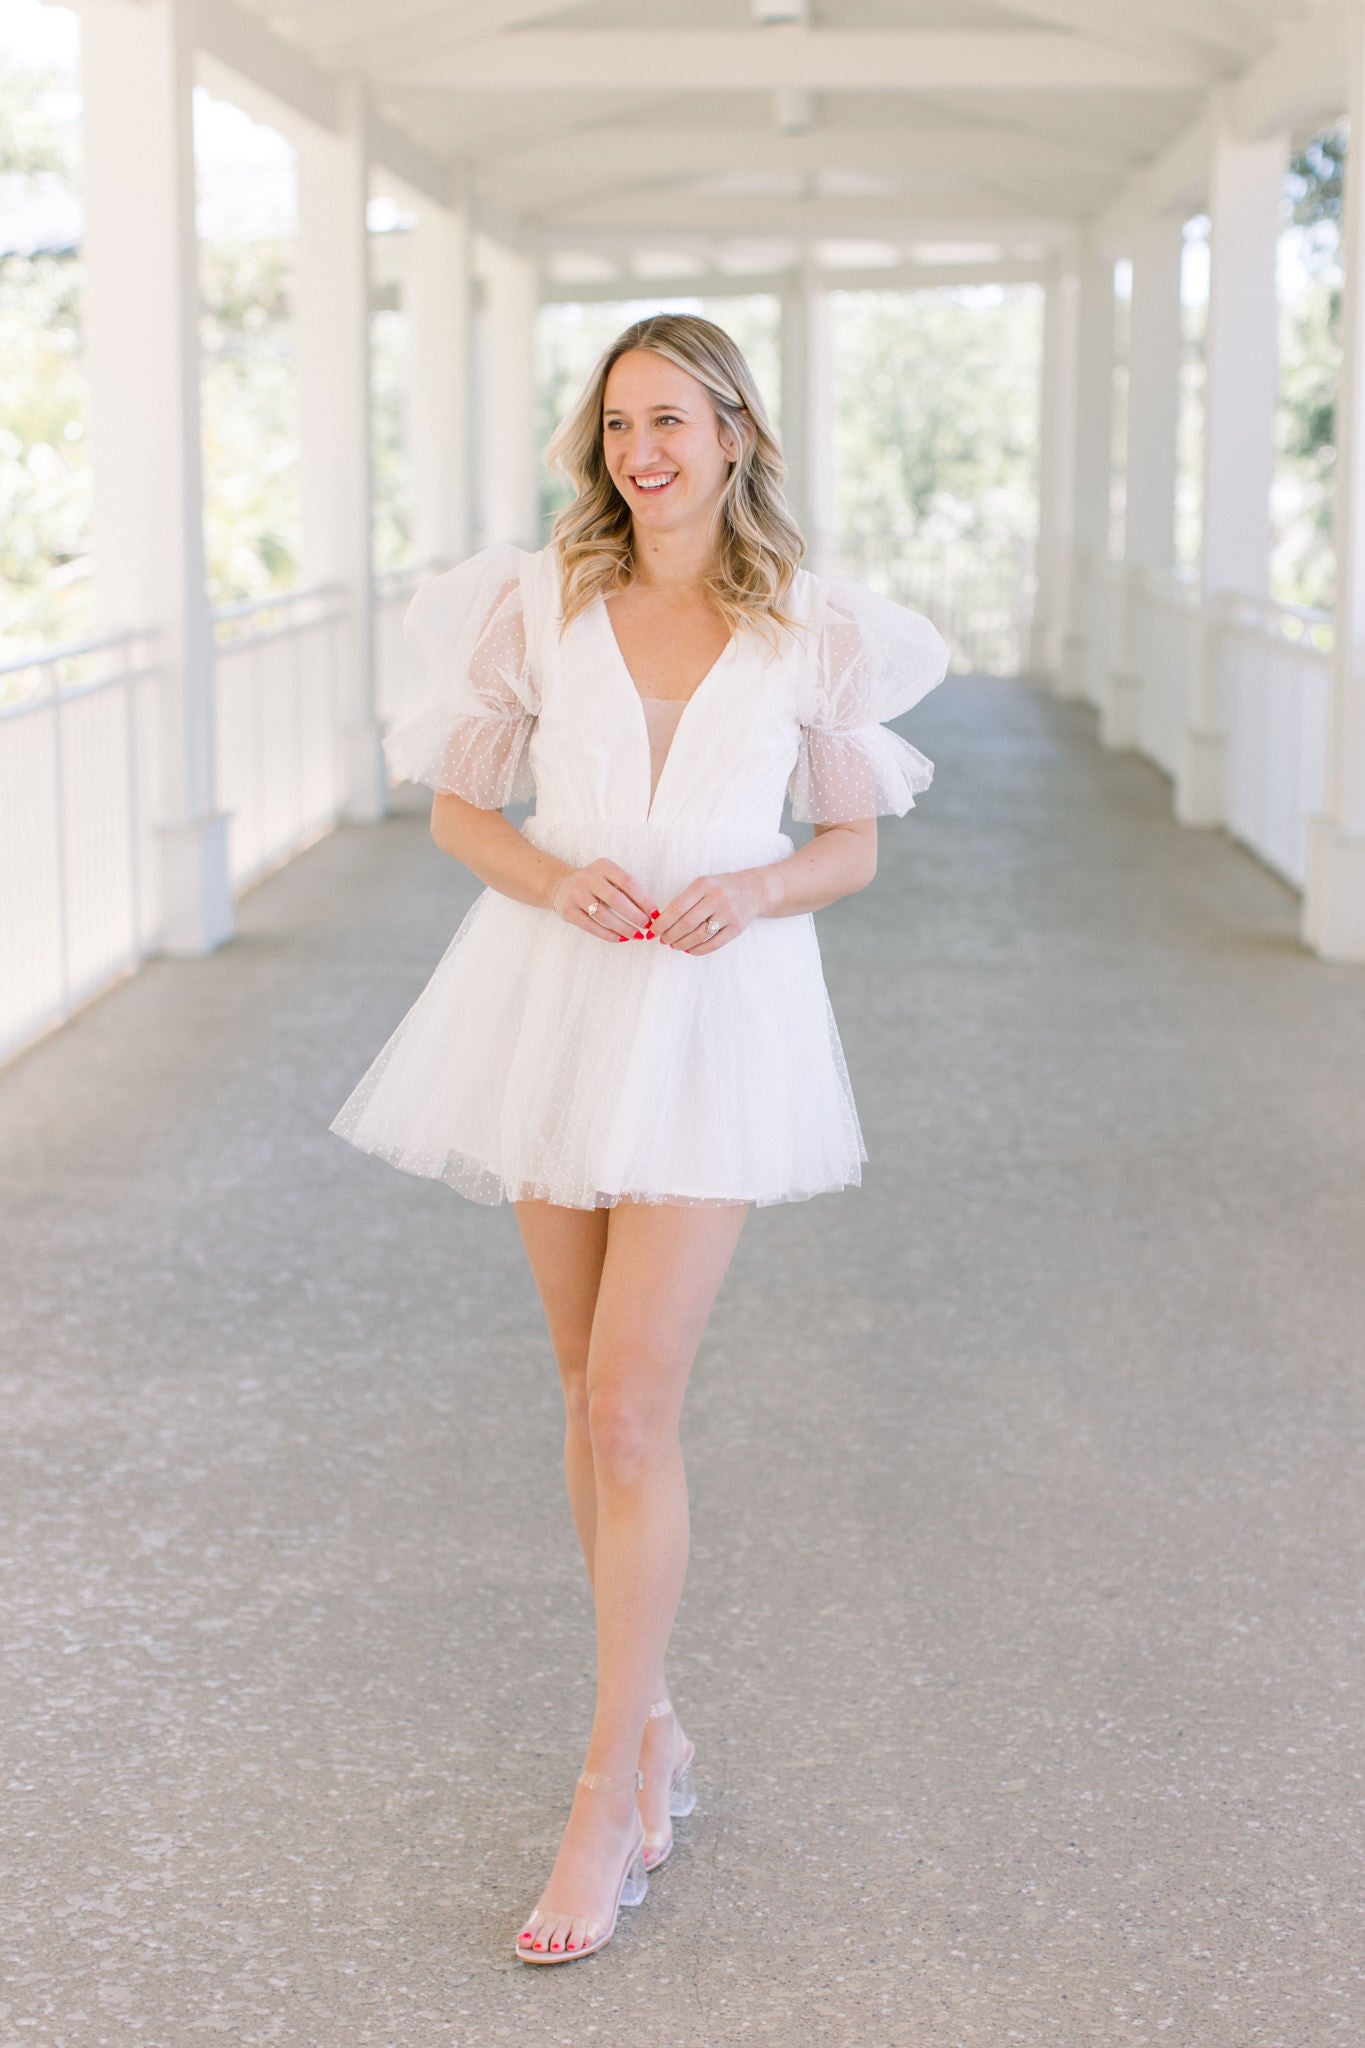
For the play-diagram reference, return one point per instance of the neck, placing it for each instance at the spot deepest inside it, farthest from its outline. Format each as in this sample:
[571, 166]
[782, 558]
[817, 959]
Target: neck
[671, 561]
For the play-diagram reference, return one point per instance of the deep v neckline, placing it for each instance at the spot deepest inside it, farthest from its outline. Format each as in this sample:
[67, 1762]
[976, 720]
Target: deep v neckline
[641, 721]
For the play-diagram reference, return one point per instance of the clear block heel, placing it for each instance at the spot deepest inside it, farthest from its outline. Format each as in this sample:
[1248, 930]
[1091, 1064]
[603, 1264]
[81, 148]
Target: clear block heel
[630, 1890]
[682, 1796]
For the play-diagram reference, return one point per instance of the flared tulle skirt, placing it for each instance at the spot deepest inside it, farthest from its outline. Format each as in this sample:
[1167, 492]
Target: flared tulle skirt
[541, 1062]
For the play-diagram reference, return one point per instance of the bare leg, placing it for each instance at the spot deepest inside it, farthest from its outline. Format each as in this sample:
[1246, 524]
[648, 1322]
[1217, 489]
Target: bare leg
[566, 1248]
[663, 1267]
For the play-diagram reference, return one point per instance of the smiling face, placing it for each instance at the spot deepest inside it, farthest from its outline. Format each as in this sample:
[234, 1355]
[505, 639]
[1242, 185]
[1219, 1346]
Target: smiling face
[665, 448]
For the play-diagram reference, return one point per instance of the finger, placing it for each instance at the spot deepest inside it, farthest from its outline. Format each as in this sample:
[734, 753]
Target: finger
[625, 915]
[640, 899]
[676, 921]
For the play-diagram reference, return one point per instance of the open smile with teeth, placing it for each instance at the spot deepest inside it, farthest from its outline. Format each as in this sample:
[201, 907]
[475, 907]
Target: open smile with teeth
[658, 480]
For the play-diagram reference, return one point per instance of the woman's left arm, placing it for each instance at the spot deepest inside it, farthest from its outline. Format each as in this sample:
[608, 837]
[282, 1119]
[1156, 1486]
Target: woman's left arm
[835, 861]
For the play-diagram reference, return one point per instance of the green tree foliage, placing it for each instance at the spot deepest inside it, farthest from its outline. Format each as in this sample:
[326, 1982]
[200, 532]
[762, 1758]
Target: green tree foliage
[44, 472]
[250, 418]
[1303, 562]
[937, 418]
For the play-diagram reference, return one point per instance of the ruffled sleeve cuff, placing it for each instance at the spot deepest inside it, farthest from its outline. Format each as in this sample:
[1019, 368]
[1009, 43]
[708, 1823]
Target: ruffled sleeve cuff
[469, 735]
[874, 660]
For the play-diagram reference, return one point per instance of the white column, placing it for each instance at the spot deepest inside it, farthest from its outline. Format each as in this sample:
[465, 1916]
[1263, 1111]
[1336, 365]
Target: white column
[808, 409]
[1153, 414]
[1091, 457]
[141, 316]
[440, 411]
[334, 421]
[1333, 918]
[1056, 457]
[509, 483]
[1246, 180]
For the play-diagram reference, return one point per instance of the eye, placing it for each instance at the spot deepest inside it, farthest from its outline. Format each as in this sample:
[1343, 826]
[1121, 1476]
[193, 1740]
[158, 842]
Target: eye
[666, 417]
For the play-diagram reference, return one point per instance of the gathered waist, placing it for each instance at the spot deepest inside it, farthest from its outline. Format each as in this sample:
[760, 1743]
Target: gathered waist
[656, 848]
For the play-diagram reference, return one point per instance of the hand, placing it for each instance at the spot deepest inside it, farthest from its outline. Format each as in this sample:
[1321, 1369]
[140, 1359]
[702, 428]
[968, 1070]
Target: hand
[624, 908]
[735, 899]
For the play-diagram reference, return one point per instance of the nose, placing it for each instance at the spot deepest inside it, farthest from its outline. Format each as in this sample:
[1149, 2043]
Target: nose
[642, 455]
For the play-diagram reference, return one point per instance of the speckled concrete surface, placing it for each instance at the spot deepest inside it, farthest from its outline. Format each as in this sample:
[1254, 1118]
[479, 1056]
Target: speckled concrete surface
[1022, 1642]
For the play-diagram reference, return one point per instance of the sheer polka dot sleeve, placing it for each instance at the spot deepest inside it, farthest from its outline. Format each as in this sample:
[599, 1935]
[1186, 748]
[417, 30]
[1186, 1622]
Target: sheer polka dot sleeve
[874, 660]
[469, 736]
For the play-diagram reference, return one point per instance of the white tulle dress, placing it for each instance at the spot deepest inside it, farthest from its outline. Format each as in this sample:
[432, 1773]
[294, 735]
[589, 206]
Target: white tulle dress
[543, 1062]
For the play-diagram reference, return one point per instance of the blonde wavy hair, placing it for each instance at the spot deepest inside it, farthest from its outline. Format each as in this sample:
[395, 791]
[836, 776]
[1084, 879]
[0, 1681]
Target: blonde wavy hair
[758, 545]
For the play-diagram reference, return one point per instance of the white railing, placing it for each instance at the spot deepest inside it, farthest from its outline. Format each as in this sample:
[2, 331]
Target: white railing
[981, 599]
[1274, 682]
[399, 683]
[1100, 608]
[79, 904]
[1147, 632]
[277, 682]
[1163, 649]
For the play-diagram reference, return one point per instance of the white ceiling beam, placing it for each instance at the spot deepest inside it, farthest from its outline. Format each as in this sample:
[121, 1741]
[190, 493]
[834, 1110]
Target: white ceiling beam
[752, 217]
[244, 61]
[618, 154]
[721, 284]
[292, 83]
[1301, 82]
[1109, 24]
[1298, 84]
[1010, 232]
[752, 60]
[416, 30]
[397, 151]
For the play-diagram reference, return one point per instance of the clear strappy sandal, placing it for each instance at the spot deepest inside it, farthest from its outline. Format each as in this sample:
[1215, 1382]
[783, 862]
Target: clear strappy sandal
[682, 1796]
[629, 1892]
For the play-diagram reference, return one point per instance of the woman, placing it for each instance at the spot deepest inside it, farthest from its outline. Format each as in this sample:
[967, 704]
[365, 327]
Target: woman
[659, 677]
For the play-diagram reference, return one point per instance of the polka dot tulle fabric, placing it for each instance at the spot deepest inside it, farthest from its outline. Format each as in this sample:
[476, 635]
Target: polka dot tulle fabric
[544, 1061]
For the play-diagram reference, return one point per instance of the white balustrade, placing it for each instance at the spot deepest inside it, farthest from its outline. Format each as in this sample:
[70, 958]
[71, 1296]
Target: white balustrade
[1272, 670]
[400, 681]
[1163, 647]
[981, 600]
[78, 874]
[276, 704]
[1274, 692]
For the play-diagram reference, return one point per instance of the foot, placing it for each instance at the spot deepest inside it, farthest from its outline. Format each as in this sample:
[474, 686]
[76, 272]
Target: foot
[661, 1752]
[575, 1906]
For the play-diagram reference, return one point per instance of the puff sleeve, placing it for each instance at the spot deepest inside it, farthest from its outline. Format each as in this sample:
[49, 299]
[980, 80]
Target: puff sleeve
[469, 735]
[874, 659]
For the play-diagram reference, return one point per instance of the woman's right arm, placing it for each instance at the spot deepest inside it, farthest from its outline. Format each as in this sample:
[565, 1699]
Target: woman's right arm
[503, 858]
[491, 847]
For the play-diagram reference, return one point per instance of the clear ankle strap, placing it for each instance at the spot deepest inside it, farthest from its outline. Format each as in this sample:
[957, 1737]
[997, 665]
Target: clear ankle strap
[660, 1707]
[596, 1779]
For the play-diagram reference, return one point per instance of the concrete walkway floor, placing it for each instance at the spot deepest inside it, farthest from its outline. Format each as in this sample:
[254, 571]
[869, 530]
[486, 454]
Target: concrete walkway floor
[1023, 1641]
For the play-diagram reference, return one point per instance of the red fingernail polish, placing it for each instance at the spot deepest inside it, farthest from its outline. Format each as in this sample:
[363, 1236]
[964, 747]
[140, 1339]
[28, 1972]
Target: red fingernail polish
[639, 935]
[622, 937]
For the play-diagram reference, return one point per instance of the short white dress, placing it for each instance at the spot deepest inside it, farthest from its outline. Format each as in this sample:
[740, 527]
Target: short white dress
[542, 1062]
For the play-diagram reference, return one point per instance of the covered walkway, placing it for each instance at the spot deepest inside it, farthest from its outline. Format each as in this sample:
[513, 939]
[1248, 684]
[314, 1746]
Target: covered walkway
[1044, 1729]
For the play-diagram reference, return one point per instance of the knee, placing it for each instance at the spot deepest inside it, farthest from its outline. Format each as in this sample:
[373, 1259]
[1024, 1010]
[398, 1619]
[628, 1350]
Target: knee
[576, 1401]
[629, 1434]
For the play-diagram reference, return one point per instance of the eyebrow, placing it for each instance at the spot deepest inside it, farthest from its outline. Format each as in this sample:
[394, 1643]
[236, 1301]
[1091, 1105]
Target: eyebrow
[620, 410]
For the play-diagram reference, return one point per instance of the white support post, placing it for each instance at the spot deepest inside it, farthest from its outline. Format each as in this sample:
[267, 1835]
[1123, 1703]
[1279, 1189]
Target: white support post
[508, 491]
[1333, 916]
[1092, 455]
[808, 410]
[141, 312]
[1153, 416]
[335, 425]
[1246, 180]
[440, 411]
[1056, 458]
